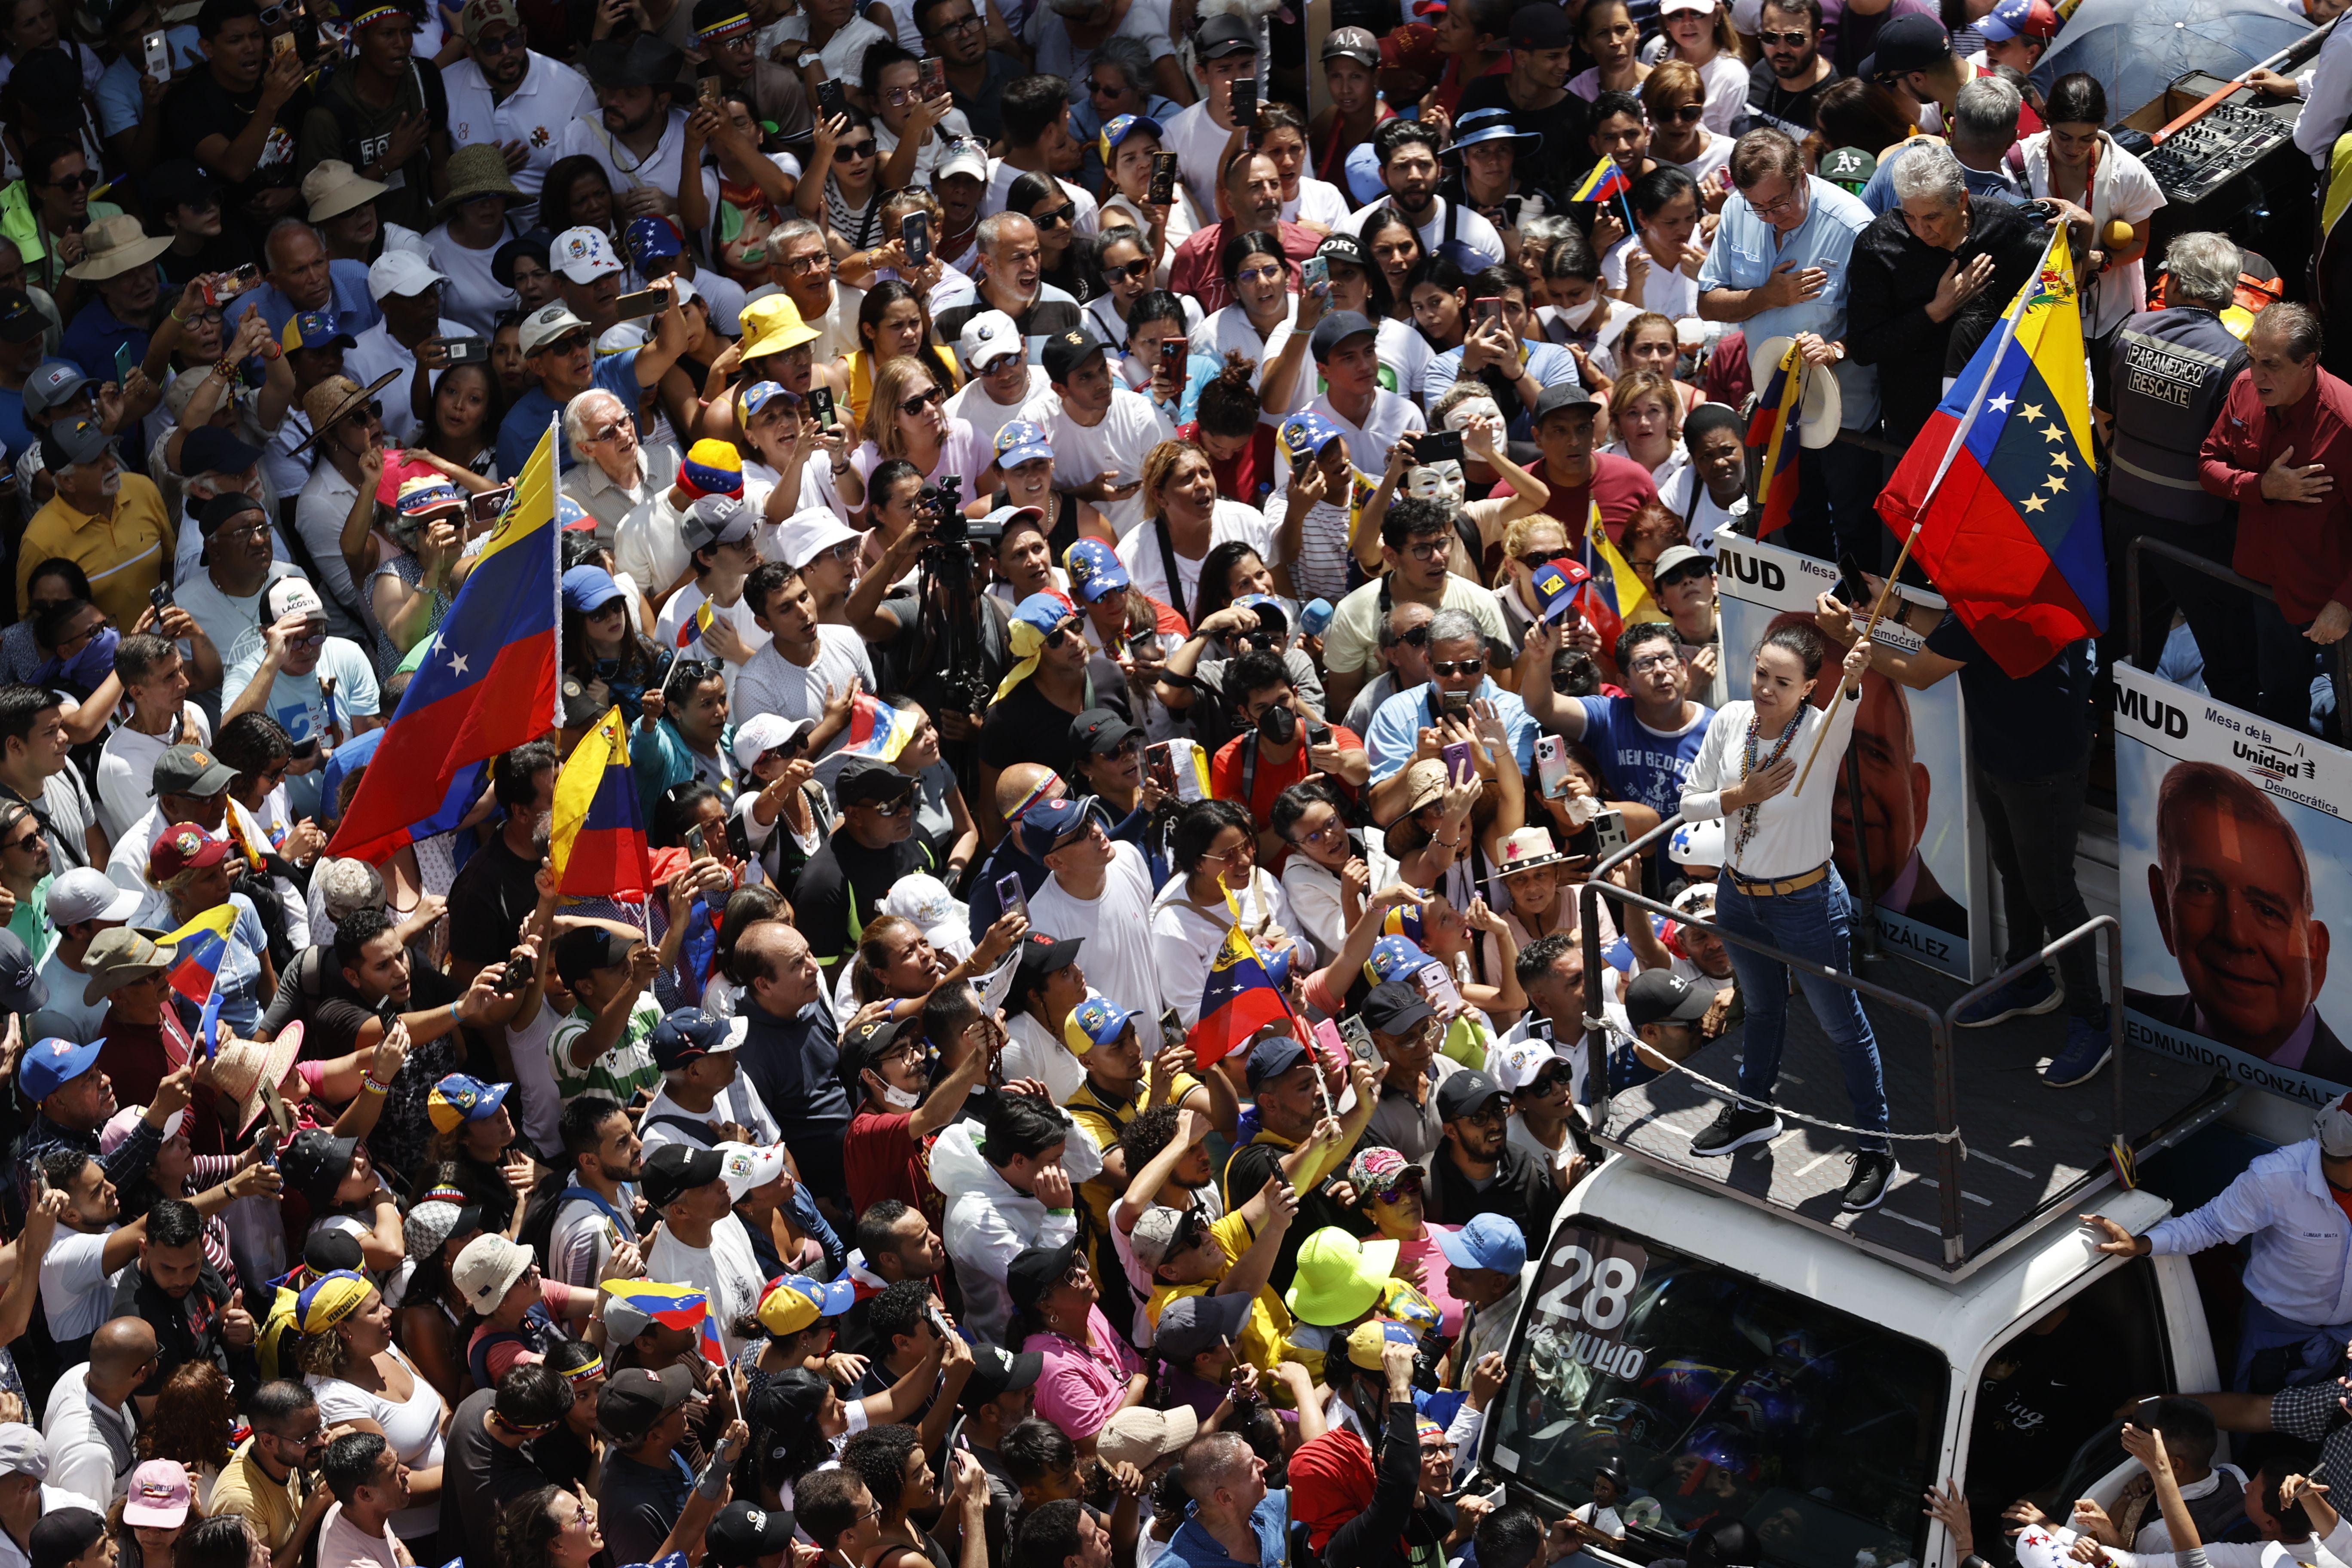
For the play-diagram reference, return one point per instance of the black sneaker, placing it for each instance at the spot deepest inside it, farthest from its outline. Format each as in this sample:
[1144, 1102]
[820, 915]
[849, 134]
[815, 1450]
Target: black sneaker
[1734, 1127]
[1866, 1189]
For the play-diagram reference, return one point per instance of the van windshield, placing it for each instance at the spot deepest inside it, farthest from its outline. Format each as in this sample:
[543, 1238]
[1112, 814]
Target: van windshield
[1715, 1398]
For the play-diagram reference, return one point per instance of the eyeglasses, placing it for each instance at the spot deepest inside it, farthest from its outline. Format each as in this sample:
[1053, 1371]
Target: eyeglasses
[1766, 209]
[1413, 636]
[958, 24]
[845, 551]
[921, 401]
[624, 422]
[1790, 40]
[1653, 661]
[246, 533]
[850, 150]
[1330, 831]
[1128, 273]
[813, 260]
[1428, 549]
[1446, 668]
[313, 639]
[1244, 850]
[1099, 90]
[1259, 275]
[1490, 1115]
[1054, 217]
[516, 40]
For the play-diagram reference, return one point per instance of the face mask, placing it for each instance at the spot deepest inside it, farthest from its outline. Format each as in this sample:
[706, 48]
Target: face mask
[1279, 725]
[1436, 481]
[1577, 315]
[898, 1099]
[1463, 414]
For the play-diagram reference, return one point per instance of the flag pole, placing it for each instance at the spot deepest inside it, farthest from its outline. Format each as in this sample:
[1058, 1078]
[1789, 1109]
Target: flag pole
[1976, 399]
[1876, 611]
[555, 561]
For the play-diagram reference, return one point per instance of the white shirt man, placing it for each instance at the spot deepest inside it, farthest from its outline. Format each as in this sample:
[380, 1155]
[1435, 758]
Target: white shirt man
[92, 1447]
[376, 351]
[586, 136]
[536, 113]
[1117, 924]
[843, 54]
[1118, 437]
[1470, 230]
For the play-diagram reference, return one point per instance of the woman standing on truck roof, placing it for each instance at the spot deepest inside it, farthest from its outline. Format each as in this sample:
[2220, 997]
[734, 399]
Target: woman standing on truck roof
[1778, 887]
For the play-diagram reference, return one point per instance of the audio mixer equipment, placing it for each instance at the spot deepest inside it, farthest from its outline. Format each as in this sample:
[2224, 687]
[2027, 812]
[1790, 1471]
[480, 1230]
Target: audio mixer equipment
[2196, 160]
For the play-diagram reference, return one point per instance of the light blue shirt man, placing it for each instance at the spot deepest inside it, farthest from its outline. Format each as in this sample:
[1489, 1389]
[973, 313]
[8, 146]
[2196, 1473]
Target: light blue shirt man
[1549, 364]
[1747, 251]
[1397, 725]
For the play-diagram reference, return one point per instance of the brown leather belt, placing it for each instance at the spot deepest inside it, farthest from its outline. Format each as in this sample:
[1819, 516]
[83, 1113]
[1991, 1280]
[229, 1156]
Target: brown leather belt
[1766, 889]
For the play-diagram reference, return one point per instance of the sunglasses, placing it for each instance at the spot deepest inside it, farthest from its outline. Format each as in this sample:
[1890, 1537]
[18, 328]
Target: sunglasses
[921, 401]
[1416, 638]
[1791, 40]
[371, 412]
[26, 841]
[1054, 217]
[1688, 115]
[1444, 669]
[1689, 572]
[893, 807]
[1407, 1185]
[1535, 559]
[569, 343]
[1127, 274]
[849, 150]
[85, 181]
[1058, 635]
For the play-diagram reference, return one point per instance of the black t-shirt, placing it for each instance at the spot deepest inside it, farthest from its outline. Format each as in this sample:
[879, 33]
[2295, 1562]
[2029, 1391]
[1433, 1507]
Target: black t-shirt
[1768, 103]
[1250, 1168]
[637, 1504]
[484, 1476]
[842, 888]
[984, 111]
[1026, 727]
[2021, 729]
[491, 898]
[1566, 155]
[197, 107]
[332, 1024]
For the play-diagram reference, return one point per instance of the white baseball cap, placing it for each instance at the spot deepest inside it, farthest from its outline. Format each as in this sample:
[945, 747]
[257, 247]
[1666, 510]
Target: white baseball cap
[965, 156]
[760, 733]
[988, 337]
[400, 272]
[1515, 1064]
[582, 254]
[805, 535]
[87, 893]
[292, 597]
[1668, 8]
[743, 1167]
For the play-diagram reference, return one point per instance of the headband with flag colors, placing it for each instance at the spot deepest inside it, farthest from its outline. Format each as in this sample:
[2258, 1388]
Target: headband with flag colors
[489, 683]
[690, 632]
[1773, 429]
[202, 944]
[596, 846]
[671, 1306]
[1239, 1000]
[739, 23]
[877, 729]
[2000, 486]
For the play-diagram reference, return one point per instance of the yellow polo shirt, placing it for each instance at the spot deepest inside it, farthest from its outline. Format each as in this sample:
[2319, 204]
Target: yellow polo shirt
[124, 556]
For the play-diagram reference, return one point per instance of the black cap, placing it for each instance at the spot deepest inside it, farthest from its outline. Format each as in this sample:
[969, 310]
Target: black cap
[1662, 996]
[20, 320]
[1041, 954]
[674, 1169]
[583, 949]
[1394, 1007]
[744, 1531]
[1039, 1269]
[219, 508]
[1225, 34]
[644, 61]
[996, 1371]
[179, 182]
[1065, 352]
[862, 1045]
[1463, 1092]
[867, 781]
[1542, 26]
[1911, 42]
[684, 1034]
[328, 1250]
[535, 243]
[22, 989]
[1336, 329]
[62, 1534]
[315, 1164]
[634, 1398]
[1345, 247]
[1564, 395]
[1099, 732]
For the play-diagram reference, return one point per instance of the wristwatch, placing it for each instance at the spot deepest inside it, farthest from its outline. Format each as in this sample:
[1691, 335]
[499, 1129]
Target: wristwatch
[807, 58]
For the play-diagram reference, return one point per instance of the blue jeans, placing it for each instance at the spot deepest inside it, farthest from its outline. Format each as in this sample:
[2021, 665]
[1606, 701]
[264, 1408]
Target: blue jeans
[1812, 923]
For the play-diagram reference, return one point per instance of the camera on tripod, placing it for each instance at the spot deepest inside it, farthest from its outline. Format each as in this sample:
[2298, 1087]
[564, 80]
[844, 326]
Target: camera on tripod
[946, 555]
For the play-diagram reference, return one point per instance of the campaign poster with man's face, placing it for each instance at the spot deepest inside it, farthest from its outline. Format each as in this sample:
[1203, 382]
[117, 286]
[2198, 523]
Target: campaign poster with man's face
[1902, 808]
[2232, 858]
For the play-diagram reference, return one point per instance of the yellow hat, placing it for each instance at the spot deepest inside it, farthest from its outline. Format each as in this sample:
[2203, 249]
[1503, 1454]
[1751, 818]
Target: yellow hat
[774, 324]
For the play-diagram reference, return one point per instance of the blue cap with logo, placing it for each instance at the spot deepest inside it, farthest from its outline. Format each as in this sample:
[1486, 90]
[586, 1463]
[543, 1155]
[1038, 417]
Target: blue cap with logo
[1022, 441]
[1394, 958]
[1097, 1021]
[1303, 436]
[1095, 569]
[52, 1064]
[1048, 821]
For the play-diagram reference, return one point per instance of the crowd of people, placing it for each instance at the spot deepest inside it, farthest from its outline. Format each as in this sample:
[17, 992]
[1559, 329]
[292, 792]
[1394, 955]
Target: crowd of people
[1035, 502]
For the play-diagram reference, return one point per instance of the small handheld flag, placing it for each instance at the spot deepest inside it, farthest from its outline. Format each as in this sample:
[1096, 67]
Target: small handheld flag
[877, 729]
[1605, 181]
[1239, 999]
[201, 946]
[597, 843]
[1613, 597]
[690, 632]
[1771, 432]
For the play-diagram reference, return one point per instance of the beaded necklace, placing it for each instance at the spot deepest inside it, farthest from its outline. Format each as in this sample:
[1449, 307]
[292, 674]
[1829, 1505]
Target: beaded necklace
[1749, 813]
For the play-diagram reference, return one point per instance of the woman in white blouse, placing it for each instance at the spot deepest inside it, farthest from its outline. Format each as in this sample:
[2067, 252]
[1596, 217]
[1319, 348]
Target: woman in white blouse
[1214, 852]
[365, 1384]
[1778, 887]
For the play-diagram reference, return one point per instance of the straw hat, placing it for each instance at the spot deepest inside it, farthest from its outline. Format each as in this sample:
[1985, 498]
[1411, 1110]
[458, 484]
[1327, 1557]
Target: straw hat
[333, 187]
[334, 399]
[113, 246]
[480, 170]
[241, 1066]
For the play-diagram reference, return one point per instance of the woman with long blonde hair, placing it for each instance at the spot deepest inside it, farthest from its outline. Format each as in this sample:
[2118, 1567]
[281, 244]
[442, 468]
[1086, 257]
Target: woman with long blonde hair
[907, 418]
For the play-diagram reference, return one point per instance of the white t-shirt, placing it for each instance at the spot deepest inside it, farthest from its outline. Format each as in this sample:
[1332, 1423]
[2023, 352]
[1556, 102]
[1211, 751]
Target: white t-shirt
[76, 1292]
[1185, 939]
[2121, 188]
[412, 1428]
[1199, 142]
[1715, 153]
[1318, 201]
[1229, 330]
[681, 608]
[1117, 927]
[299, 706]
[473, 295]
[585, 136]
[1705, 518]
[1146, 22]
[584, 1237]
[1367, 444]
[726, 1270]
[535, 114]
[1473, 231]
[1119, 443]
[1139, 551]
[126, 769]
[843, 54]
[771, 683]
[973, 405]
[1670, 291]
[1031, 1052]
[738, 1102]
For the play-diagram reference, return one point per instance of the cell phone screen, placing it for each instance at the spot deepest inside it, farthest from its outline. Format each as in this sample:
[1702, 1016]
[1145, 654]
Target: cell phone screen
[821, 404]
[1437, 447]
[934, 77]
[1011, 895]
[1162, 190]
[915, 232]
[694, 843]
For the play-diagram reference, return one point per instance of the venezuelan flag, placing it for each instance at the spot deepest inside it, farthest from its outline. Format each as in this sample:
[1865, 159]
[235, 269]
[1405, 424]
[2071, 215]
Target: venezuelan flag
[2001, 487]
[1612, 596]
[877, 729]
[697, 624]
[671, 1306]
[714, 1350]
[489, 684]
[1605, 181]
[201, 945]
[1772, 428]
[1239, 999]
[597, 846]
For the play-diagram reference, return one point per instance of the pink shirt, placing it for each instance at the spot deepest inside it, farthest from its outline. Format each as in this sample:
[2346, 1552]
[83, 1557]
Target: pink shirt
[1432, 1276]
[1082, 1384]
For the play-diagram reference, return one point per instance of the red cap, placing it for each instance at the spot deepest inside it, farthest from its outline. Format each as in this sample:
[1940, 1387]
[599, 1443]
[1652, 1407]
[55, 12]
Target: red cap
[179, 847]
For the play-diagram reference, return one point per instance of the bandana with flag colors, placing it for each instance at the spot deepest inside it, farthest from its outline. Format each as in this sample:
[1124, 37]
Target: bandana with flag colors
[597, 844]
[877, 729]
[1772, 435]
[2001, 484]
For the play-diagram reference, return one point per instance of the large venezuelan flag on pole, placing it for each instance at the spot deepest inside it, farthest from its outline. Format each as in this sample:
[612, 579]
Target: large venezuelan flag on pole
[1239, 1000]
[597, 846]
[1772, 435]
[489, 684]
[2001, 485]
